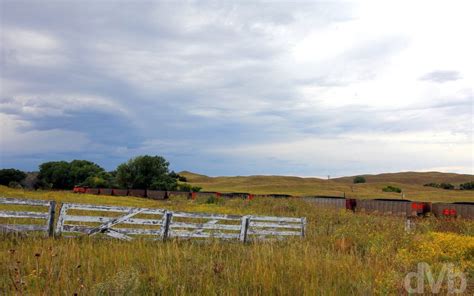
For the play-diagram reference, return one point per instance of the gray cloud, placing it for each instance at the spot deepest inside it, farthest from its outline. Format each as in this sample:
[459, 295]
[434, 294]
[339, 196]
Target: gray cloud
[121, 78]
[441, 76]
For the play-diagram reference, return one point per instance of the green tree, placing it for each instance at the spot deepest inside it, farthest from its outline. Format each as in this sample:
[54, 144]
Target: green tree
[359, 179]
[65, 175]
[146, 172]
[11, 175]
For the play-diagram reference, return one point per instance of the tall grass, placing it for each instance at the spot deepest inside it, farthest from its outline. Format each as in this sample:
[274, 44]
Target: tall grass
[343, 253]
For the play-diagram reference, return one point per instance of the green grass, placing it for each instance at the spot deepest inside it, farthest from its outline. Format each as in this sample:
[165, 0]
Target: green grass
[342, 254]
[410, 183]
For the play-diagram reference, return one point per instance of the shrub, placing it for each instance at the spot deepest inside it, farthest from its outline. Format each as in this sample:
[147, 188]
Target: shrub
[467, 186]
[392, 189]
[359, 179]
[14, 184]
[447, 186]
[11, 175]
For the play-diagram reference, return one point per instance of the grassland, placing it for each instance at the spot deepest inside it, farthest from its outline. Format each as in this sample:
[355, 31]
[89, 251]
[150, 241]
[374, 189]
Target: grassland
[410, 183]
[342, 254]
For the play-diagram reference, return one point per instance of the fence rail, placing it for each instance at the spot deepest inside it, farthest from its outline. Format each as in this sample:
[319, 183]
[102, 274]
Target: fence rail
[127, 223]
[47, 226]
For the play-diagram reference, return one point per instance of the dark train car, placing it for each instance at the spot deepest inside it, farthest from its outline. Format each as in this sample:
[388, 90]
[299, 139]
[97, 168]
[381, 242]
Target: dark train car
[137, 192]
[157, 194]
[206, 194]
[332, 202]
[92, 190]
[120, 192]
[105, 191]
[278, 195]
[178, 194]
[79, 189]
[243, 195]
[453, 210]
[397, 207]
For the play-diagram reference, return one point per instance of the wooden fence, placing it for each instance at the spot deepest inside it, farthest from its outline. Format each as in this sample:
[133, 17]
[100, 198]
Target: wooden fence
[126, 223]
[46, 217]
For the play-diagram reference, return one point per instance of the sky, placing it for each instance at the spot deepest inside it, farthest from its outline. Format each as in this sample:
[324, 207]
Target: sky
[239, 88]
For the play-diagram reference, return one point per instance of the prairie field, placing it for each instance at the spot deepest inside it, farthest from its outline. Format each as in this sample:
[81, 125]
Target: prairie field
[342, 254]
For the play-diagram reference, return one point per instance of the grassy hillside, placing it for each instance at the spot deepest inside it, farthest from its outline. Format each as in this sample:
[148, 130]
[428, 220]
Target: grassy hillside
[332, 259]
[414, 178]
[410, 183]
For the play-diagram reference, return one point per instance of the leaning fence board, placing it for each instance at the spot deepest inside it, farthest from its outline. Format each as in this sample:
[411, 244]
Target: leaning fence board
[46, 217]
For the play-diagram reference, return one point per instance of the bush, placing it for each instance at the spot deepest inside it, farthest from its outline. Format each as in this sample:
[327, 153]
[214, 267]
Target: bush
[188, 187]
[359, 179]
[392, 189]
[11, 175]
[467, 186]
[446, 186]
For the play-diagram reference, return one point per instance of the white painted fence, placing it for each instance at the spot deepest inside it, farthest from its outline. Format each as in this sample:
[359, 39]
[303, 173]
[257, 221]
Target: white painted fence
[126, 223]
[47, 225]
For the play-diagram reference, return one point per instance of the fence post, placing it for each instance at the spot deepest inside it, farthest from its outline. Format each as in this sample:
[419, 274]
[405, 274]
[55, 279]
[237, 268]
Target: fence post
[244, 228]
[303, 227]
[166, 225]
[59, 223]
[51, 211]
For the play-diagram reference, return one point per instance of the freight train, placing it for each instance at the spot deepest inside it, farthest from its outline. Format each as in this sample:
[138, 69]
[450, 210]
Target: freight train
[406, 208]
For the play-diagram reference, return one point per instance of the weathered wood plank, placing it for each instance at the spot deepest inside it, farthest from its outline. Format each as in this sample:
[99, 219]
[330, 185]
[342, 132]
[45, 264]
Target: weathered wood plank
[60, 222]
[50, 222]
[100, 219]
[17, 201]
[22, 227]
[19, 214]
[132, 231]
[273, 232]
[190, 234]
[275, 219]
[175, 225]
[115, 221]
[165, 229]
[206, 216]
[116, 234]
[87, 207]
[274, 225]
[244, 226]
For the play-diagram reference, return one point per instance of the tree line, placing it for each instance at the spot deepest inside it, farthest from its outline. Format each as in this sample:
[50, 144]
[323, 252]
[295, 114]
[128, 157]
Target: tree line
[141, 172]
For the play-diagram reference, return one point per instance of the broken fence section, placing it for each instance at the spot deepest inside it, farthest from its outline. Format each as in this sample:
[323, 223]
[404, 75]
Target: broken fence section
[39, 217]
[127, 223]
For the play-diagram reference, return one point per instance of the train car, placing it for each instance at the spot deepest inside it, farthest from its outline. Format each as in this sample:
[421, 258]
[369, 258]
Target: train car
[137, 192]
[243, 195]
[157, 194]
[79, 189]
[92, 191]
[278, 195]
[178, 194]
[336, 202]
[453, 210]
[105, 191]
[120, 192]
[406, 208]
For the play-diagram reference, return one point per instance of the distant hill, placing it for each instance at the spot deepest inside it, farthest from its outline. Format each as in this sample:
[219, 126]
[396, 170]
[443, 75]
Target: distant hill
[418, 178]
[410, 182]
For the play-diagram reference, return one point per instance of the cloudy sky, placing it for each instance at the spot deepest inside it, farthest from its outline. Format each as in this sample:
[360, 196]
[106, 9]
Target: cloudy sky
[239, 88]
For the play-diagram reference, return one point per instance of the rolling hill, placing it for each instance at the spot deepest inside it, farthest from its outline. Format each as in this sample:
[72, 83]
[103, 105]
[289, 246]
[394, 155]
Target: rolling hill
[410, 182]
